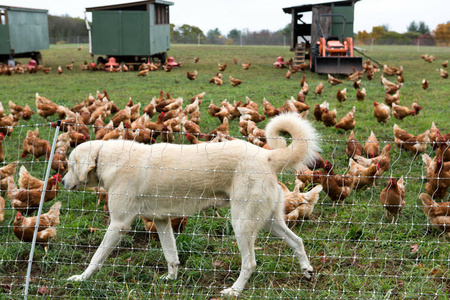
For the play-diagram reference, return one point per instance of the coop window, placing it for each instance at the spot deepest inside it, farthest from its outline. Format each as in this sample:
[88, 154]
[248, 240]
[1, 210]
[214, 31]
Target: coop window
[161, 14]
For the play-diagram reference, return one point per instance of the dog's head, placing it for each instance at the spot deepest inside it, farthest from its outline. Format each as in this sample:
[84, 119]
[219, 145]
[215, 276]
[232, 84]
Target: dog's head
[82, 166]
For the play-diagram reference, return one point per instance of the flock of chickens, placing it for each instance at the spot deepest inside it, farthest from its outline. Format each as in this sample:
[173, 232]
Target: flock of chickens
[175, 119]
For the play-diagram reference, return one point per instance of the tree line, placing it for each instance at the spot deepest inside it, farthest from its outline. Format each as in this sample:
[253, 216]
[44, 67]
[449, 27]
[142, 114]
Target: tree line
[417, 33]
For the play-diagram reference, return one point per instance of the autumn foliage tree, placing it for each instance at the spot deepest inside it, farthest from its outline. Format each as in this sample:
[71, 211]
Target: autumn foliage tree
[442, 34]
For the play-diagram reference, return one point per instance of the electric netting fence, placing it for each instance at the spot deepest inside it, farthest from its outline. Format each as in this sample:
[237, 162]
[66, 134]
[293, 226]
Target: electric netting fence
[356, 248]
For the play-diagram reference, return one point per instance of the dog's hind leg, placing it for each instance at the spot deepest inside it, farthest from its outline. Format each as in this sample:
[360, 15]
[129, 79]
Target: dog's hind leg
[277, 226]
[167, 239]
[119, 226]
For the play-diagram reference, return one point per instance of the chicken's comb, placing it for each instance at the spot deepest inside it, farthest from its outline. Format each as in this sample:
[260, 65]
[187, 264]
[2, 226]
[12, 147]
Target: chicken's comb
[2, 136]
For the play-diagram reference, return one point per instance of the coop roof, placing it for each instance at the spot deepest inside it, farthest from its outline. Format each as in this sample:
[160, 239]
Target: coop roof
[308, 7]
[16, 8]
[140, 5]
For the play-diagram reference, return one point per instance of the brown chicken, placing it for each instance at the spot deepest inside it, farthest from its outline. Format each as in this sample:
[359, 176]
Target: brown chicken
[443, 73]
[329, 117]
[76, 137]
[392, 197]
[383, 160]
[59, 162]
[305, 89]
[389, 99]
[222, 67]
[45, 107]
[381, 111]
[443, 147]
[353, 146]
[235, 81]
[361, 94]
[437, 213]
[337, 187]
[333, 81]
[250, 114]
[178, 225]
[28, 182]
[319, 109]
[23, 228]
[362, 176]
[357, 84]
[32, 144]
[341, 95]
[424, 84]
[27, 200]
[371, 146]
[348, 121]
[191, 75]
[269, 110]
[246, 66]
[299, 206]
[307, 176]
[221, 129]
[319, 89]
[438, 180]
[6, 125]
[23, 112]
[401, 112]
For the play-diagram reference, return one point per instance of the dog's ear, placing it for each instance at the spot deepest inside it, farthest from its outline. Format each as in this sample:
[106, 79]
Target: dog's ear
[86, 160]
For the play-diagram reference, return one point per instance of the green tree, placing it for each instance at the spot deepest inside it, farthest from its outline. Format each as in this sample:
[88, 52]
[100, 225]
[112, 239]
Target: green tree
[234, 34]
[190, 33]
[214, 36]
[423, 28]
[412, 27]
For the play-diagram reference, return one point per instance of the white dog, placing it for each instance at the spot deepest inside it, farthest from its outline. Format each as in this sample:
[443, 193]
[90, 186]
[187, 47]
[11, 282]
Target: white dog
[163, 181]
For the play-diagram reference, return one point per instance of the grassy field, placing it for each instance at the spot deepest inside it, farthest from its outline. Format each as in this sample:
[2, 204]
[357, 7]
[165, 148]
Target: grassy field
[354, 249]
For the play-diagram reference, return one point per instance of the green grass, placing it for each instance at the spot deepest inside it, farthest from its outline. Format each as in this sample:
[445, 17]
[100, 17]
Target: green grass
[354, 249]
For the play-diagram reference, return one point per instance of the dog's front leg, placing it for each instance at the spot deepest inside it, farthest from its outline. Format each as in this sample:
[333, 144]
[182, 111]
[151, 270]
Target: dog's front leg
[167, 239]
[111, 239]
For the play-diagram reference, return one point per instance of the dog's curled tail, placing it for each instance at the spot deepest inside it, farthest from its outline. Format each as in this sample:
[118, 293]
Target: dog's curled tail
[302, 148]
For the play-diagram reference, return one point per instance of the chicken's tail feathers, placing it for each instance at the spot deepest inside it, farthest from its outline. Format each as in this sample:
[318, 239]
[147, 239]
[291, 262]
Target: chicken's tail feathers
[304, 143]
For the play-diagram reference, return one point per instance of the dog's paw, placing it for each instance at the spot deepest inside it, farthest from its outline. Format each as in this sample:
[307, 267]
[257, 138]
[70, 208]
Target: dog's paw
[167, 277]
[76, 278]
[230, 292]
[309, 273]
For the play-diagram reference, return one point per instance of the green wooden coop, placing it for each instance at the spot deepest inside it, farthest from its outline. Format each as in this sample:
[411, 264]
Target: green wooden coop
[23, 32]
[130, 32]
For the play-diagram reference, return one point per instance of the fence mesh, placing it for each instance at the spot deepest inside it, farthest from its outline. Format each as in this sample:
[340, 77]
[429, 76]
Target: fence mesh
[357, 251]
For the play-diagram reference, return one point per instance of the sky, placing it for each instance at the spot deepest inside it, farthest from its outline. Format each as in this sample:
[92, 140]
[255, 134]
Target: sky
[265, 14]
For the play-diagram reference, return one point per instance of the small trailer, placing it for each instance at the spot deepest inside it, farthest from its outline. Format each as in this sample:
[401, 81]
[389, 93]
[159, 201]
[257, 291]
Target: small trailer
[23, 32]
[130, 32]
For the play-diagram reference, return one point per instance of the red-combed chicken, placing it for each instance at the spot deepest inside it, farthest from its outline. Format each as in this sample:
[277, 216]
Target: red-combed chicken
[348, 121]
[20, 111]
[27, 200]
[235, 81]
[191, 75]
[59, 162]
[23, 227]
[437, 213]
[401, 112]
[383, 160]
[381, 111]
[269, 110]
[353, 146]
[392, 197]
[178, 225]
[371, 146]
[298, 205]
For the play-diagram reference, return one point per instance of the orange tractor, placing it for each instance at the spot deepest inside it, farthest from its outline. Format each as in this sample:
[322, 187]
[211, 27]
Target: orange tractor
[333, 54]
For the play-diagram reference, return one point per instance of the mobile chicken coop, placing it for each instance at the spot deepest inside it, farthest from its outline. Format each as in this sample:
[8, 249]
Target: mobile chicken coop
[130, 32]
[23, 32]
[329, 37]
